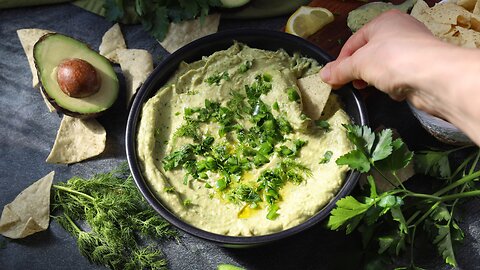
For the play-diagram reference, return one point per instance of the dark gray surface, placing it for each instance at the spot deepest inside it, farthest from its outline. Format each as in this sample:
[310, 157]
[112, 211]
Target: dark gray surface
[27, 132]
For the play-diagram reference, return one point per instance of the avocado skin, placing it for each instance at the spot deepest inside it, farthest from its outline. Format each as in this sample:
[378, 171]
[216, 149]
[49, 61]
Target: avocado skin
[53, 101]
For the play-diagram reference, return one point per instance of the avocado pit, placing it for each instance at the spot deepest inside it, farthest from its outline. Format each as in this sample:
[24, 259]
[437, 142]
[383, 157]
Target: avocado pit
[77, 78]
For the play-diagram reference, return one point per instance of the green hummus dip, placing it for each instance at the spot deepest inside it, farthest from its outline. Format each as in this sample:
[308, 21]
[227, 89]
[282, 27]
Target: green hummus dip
[226, 147]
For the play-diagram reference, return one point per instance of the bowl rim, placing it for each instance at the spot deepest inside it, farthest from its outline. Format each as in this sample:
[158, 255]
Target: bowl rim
[145, 93]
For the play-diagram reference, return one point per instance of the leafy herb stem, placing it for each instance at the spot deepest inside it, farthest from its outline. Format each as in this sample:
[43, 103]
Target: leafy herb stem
[74, 192]
[457, 183]
[424, 216]
[414, 230]
[74, 226]
[462, 166]
[461, 195]
[424, 196]
[394, 173]
[413, 217]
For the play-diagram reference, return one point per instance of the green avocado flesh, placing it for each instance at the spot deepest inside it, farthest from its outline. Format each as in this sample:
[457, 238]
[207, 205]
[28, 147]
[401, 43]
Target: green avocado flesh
[233, 3]
[50, 51]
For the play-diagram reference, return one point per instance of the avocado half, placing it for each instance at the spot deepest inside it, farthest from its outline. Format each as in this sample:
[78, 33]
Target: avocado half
[53, 49]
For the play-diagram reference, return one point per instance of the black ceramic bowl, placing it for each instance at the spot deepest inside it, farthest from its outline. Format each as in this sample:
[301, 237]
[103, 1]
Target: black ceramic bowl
[267, 40]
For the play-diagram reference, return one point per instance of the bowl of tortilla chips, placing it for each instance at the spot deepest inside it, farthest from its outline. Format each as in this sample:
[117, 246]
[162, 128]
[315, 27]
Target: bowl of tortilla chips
[198, 50]
[458, 23]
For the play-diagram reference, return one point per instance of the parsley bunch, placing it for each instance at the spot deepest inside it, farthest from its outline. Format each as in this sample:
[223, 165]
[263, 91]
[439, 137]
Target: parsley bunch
[156, 15]
[116, 219]
[390, 221]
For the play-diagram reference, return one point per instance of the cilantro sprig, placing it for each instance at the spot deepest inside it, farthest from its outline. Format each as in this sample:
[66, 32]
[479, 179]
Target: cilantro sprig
[155, 16]
[390, 221]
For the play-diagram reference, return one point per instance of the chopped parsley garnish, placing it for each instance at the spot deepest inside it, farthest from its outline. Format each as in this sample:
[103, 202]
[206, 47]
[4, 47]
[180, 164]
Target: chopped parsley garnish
[293, 94]
[245, 66]
[326, 157]
[244, 193]
[254, 145]
[217, 77]
[169, 189]
[178, 157]
[275, 106]
[187, 202]
[188, 129]
[272, 212]
[323, 124]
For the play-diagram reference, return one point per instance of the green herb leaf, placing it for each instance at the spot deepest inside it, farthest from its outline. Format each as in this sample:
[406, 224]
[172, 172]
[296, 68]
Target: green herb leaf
[398, 159]
[348, 213]
[323, 124]
[293, 94]
[245, 66]
[217, 77]
[178, 158]
[272, 212]
[275, 106]
[326, 157]
[113, 10]
[433, 163]
[444, 243]
[383, 147]
[355, 159]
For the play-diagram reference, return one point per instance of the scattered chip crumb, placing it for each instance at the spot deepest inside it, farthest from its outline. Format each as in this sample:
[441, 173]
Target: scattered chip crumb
[77, 140]
[29, 212]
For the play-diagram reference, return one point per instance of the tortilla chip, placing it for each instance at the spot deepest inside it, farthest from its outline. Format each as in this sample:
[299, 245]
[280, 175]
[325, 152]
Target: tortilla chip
[180, 34]
[476, 9]
[315, 94]
[439, 29]
[136, 66]
[469, 38]
[475, 22]
[467, 4]
[448, 13]
[77, 140]
[420, 12]
[28, 38]
[112, 40]
[419, 9]
[49, 105]
[29, 212]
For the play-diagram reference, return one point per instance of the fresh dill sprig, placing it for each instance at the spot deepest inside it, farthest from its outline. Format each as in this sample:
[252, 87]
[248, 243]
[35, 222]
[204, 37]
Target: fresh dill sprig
[119, 220]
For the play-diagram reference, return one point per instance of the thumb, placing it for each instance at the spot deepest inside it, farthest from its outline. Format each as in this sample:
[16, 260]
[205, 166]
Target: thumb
[339, 72]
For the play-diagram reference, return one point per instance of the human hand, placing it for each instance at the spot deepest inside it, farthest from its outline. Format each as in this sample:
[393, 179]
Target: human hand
[399, 56]
[383, 53]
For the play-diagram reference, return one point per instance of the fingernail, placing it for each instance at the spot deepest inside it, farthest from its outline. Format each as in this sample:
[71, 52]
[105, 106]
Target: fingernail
[325, 73]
